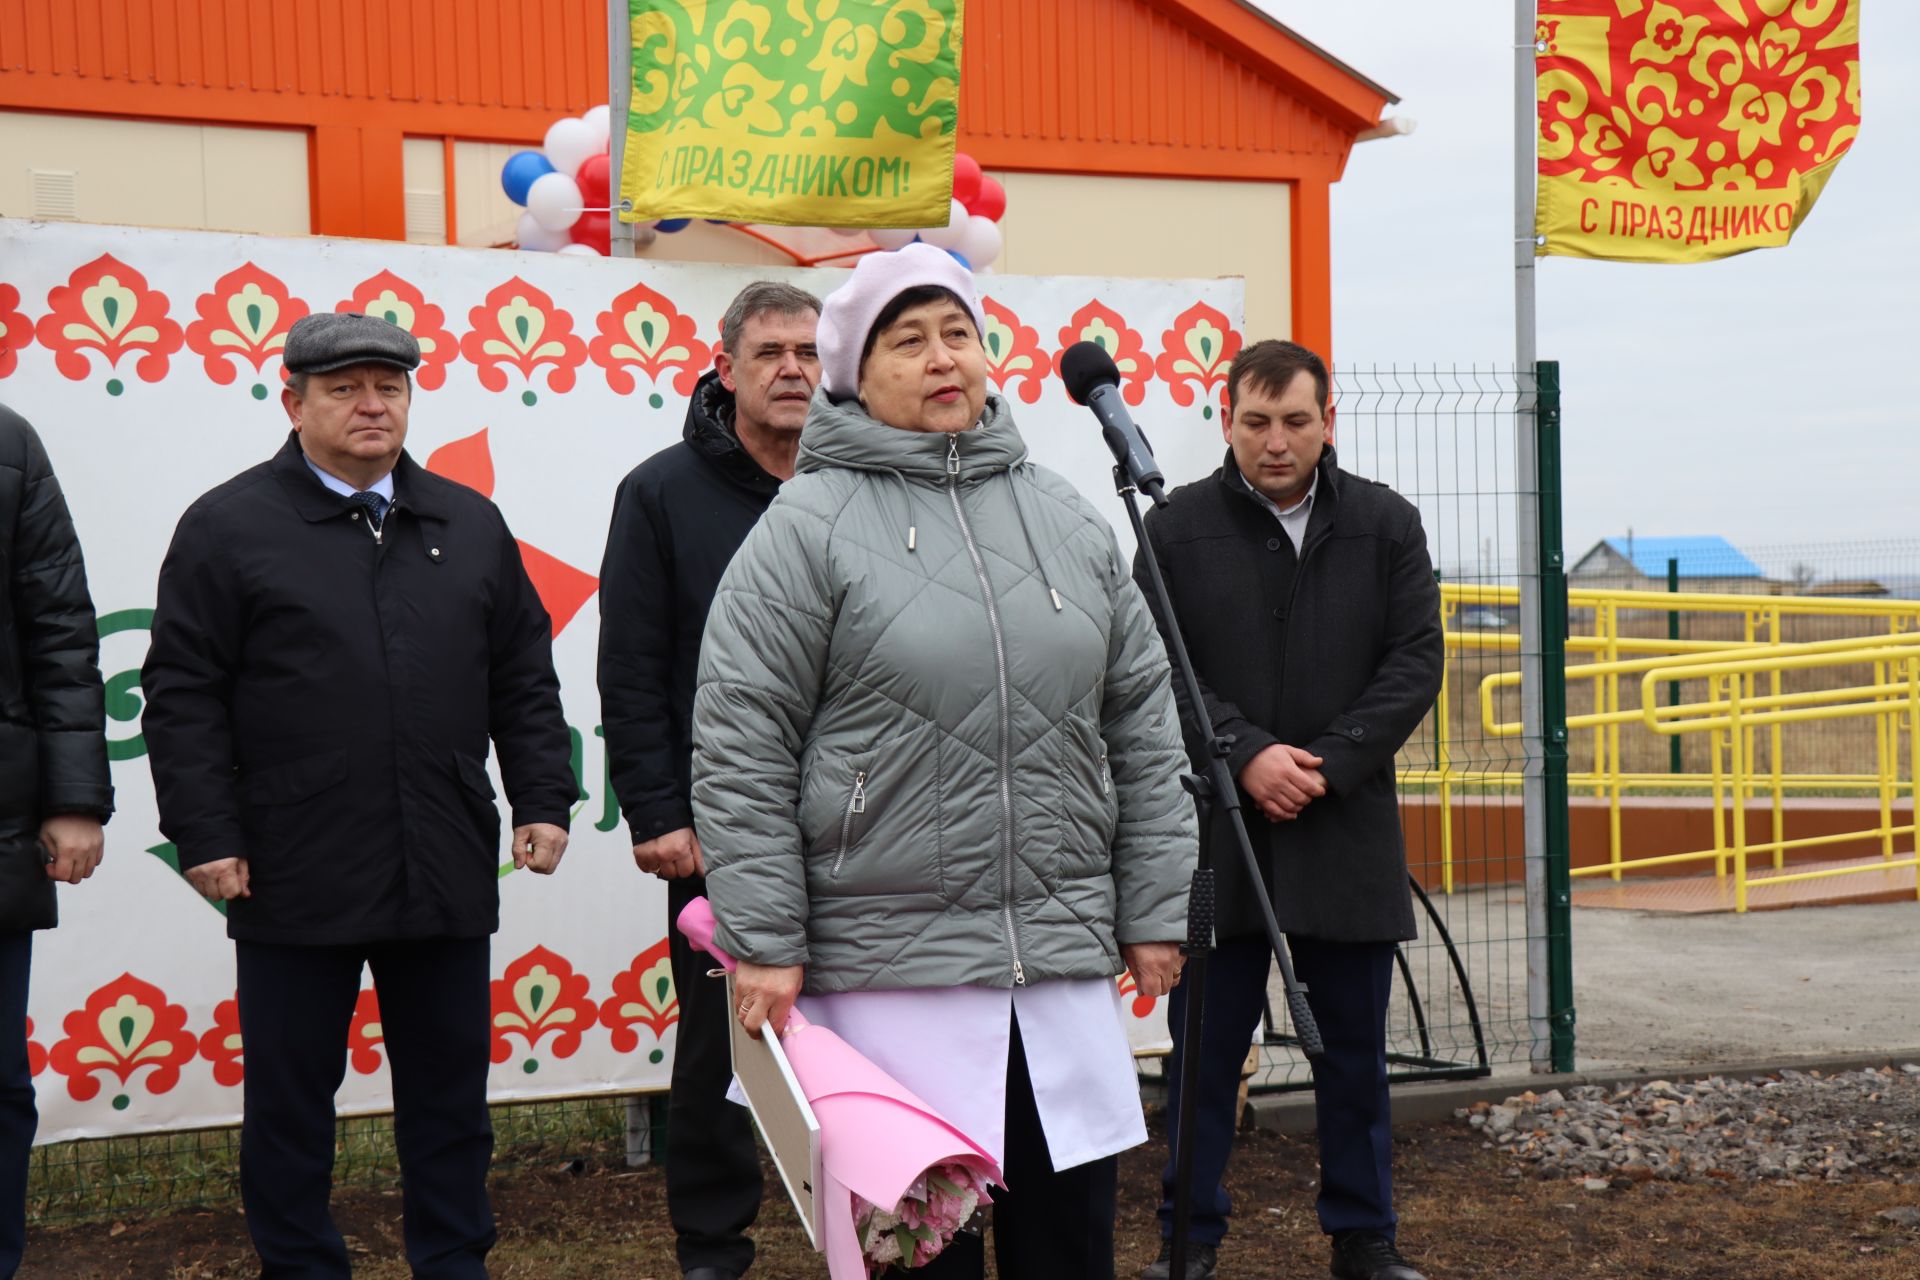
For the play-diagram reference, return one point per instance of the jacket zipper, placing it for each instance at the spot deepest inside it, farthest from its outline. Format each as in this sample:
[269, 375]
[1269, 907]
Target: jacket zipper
[1006, 710]
[1103, 773]
[856, 803]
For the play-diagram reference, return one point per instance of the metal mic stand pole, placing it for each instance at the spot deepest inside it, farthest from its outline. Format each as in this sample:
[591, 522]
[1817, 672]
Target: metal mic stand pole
[1215, 787]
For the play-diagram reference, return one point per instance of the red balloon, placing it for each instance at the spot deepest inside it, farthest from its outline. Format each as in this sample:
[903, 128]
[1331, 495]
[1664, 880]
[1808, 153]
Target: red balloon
[992, 200]
[966, 179]
[595, 177]
[594, 230]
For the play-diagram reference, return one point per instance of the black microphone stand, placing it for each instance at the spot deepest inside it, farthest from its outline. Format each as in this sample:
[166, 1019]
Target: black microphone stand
[1216, 787]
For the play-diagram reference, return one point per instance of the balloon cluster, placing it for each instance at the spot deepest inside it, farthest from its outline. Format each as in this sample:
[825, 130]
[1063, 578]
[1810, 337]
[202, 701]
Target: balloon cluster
[566, 187]
[972, 230]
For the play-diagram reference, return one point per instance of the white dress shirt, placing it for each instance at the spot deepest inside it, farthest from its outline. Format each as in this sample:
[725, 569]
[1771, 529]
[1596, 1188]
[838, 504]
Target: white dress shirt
[1294, 518]
[383, 486]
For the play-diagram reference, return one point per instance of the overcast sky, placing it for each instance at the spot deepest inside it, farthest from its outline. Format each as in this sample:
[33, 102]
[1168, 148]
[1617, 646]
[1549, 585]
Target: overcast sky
[1770, 397]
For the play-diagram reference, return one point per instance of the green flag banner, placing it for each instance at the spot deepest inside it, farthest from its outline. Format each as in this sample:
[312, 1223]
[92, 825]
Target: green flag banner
[793, 112]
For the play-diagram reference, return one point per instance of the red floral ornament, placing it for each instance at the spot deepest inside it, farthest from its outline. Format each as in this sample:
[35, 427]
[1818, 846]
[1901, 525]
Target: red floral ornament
[1097, 322]
[127, 1026]
[643, 330]
[36, 1052]
[365, 1035]
[106, 306]
[643, 994]
[247, 315]
[393, 299]
[16, 331]
[220, 1045]
[1013, 352]
[562, 588]
[1195, 354]
[540, 995]
[519, 326]
[1142, 1005]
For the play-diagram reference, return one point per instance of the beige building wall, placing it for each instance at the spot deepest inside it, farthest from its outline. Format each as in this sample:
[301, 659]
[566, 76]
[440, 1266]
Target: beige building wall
[1061, 224]
[423, 175]
[483, 217]
[198, 177]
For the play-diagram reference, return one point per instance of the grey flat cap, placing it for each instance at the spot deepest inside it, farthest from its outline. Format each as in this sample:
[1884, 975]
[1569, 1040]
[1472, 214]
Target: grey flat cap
[330, 340]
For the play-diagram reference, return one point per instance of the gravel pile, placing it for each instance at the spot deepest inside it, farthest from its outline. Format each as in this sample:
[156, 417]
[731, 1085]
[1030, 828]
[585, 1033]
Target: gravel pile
[1797, 1125]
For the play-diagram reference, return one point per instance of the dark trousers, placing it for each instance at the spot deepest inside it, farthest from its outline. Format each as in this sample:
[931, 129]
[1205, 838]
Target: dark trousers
[296, 1004]
[1348, 986]
[1046, 1225]
[18, 1118]
[713, 1163]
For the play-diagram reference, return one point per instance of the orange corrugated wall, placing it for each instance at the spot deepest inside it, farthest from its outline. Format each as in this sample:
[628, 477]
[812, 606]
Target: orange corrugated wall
[1186, 88]
[359, 74]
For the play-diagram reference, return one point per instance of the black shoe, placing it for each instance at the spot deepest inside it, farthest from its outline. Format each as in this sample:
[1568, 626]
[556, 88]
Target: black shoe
[1200, 1261]
[1368, 1255]
[710, 1273]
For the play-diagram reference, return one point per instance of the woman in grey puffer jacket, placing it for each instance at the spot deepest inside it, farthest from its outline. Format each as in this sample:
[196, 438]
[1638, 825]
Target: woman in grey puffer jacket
[936, 764]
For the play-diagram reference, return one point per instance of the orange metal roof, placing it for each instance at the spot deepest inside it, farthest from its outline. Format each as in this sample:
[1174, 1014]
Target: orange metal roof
[1163, 88]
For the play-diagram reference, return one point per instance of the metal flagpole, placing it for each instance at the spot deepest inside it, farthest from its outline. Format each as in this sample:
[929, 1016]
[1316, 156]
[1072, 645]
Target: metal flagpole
[619, 98]
[1527, 517]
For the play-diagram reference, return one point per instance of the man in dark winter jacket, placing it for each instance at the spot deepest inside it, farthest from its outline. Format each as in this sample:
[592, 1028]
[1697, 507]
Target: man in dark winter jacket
[1307, 599]
[338, 634]
[677, 520]
[54, 788]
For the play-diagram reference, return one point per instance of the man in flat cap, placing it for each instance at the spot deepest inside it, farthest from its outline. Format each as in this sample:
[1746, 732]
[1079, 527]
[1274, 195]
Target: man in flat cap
[337, 635]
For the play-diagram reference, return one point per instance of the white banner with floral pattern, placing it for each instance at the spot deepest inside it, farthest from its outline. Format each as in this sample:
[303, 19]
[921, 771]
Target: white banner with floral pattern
[148, 360]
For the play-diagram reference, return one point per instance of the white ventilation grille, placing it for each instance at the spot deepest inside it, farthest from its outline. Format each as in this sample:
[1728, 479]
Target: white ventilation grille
[426, 217]
[55, 195]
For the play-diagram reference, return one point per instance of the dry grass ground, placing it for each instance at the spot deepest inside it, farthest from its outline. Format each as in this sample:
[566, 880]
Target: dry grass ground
[1463, 1218]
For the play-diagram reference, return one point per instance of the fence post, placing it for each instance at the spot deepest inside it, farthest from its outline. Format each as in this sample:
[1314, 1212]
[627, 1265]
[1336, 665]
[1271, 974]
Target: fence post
[1553, 716]
[1673, 686]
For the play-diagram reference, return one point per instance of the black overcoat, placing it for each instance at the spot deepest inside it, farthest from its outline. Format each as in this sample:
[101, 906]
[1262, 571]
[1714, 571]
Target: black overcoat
[1337, 650]
[320, 702]
[53, 744]
[678, 518]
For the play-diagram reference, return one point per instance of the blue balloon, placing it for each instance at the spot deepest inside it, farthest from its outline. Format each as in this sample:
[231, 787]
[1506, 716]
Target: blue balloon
[519, 172]
[960, 258]
[671, 225]
[719, 222]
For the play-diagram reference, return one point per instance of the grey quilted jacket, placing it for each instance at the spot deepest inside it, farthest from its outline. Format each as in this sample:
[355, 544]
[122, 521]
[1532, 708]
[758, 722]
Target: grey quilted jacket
[935, 740]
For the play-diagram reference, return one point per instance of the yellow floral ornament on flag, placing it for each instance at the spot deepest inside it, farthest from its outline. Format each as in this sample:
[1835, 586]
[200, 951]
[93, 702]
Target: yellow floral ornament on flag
[793, 112]
[1684, 130]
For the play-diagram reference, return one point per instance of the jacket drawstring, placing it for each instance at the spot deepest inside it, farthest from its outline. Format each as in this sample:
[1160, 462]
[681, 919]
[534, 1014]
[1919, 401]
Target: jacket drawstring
[906, 499]
[1033, 551]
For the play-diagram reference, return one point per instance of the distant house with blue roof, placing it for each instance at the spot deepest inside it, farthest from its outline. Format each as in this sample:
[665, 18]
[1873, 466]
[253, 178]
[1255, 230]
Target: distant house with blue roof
[1635, 563]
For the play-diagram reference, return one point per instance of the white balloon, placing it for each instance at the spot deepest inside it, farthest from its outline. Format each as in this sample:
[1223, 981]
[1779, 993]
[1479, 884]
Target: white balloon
[579, 251]
[948, 237]
[981, 242]
[599, 119]
[892, 237]
[529, 234]
[554, 201]
[569, 142]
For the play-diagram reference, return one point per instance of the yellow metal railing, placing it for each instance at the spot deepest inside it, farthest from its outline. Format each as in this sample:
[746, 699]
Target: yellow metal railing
[1743, 696]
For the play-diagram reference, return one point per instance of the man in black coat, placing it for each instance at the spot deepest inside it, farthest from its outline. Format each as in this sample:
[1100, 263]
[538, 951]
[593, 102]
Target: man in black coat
[677, 520]
[338, 634]
[1308, 602]
[54, 788]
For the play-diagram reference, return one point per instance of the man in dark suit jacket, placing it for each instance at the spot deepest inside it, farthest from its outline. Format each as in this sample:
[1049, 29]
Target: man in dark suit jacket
[677, 520]
[1308, 602]
[338, 634]
[54, 787]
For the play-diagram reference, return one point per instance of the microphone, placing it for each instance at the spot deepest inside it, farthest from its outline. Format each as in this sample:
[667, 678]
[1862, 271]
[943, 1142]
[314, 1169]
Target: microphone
[1094, 380]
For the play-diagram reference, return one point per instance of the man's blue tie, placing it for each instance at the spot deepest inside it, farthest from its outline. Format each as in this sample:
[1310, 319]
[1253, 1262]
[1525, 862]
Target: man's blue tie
[375, 504]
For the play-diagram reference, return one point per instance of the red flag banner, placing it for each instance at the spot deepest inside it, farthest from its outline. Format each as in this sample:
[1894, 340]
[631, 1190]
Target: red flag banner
[1690, 130]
